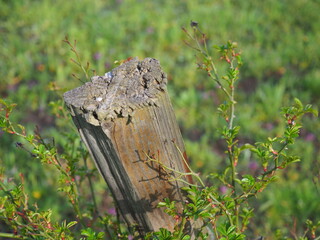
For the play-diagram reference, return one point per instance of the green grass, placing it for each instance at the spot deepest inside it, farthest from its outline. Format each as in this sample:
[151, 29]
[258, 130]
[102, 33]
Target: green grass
[279, 40]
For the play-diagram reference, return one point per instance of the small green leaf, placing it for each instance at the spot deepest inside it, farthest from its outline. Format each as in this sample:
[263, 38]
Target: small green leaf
[222, 229]
[298, 103]
[29, 138]
[308, 109]
[162, 204]
[186, 237]
[230, 230]
[100, 235]
[246, 146]
[70, 224]
[165, 233]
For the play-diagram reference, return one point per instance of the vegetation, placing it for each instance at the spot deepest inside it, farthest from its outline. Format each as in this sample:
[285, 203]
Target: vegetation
[280, 53]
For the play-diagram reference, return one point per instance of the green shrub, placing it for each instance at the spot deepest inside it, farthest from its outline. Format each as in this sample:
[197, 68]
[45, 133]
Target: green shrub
[279, 48]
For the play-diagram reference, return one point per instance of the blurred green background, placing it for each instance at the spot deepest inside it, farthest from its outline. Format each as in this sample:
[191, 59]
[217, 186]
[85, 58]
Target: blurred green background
[280, 48]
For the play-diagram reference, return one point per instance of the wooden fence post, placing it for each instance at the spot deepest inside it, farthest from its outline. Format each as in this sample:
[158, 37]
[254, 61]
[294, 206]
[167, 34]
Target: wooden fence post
[125, 118]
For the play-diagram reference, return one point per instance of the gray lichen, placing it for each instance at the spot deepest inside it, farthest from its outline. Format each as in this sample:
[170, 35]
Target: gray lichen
[132, 85]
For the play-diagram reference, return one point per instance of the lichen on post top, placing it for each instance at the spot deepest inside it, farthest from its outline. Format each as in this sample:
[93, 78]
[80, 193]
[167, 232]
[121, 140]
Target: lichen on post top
[120, 92]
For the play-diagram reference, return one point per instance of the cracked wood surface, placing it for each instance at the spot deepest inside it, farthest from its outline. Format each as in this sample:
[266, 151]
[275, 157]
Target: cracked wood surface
[124, 117]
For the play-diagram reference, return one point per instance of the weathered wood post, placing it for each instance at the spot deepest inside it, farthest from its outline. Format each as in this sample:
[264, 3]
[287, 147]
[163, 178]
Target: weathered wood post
[124, 117]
